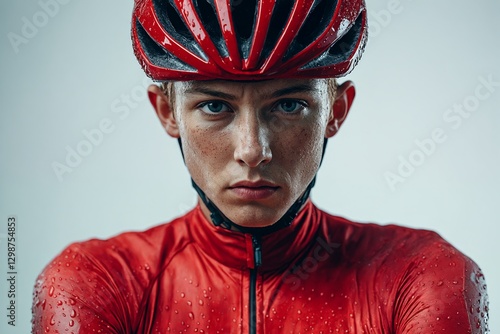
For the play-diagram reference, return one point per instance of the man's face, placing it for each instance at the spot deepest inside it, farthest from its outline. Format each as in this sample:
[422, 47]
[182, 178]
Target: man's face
[252, 147]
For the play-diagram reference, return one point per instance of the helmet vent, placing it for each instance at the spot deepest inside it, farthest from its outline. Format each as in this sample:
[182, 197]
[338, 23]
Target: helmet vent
[315, 24]
[244, 22]
[280, 16]
[208, 17]
[157, 55]
[341, 49]
[173, 23]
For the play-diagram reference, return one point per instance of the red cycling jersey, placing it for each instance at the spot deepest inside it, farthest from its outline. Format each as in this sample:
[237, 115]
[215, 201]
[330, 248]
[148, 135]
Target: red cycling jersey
[323, 274]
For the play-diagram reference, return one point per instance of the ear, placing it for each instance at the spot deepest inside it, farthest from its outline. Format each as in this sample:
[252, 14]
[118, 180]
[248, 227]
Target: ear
[341, 106]
[164, 110]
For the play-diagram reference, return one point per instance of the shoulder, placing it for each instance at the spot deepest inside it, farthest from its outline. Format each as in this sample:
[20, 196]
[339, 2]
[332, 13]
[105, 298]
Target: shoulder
[424, 279]
[128, 251]
[102, 282]
[383, 240]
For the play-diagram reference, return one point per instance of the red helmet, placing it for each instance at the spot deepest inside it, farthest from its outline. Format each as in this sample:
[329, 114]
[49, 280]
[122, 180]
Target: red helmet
[248, 39]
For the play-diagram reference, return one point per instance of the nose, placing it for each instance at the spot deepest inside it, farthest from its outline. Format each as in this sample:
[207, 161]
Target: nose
[252, 141]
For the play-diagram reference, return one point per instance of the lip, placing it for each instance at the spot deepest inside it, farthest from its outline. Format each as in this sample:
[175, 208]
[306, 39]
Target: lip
[253, 190]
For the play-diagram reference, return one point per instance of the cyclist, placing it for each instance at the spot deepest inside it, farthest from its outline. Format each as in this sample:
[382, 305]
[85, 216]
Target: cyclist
[249, 89]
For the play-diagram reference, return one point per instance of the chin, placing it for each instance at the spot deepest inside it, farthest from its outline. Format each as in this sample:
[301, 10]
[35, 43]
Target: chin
[255, 217]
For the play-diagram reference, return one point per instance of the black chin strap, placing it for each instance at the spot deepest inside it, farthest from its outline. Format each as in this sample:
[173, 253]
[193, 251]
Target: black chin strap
[219, 219]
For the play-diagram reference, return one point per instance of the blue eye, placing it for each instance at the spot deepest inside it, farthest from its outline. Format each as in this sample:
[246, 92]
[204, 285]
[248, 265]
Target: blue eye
[290, 106]
[214, 107]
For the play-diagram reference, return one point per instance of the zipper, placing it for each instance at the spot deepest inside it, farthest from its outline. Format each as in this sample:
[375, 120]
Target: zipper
[257, 259]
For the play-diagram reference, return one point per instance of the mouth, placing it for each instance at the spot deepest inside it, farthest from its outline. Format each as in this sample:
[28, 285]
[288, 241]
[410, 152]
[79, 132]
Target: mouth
[253, 190]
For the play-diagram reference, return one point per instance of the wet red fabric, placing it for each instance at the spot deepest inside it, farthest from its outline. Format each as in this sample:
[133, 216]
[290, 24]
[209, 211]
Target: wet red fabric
[323, 274]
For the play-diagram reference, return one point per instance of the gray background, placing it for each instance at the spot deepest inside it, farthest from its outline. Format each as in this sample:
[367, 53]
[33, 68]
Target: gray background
[78, 69]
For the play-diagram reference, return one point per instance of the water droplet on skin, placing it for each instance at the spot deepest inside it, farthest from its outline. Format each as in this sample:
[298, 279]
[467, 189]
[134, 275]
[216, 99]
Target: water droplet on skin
[72, 301]
[440, 283]
[71, 323]
[59, 302]
[191, 315]
[200, 302]
[183, 295]
[72, 314]
[51, 291]
[52, 321]
[189, 303]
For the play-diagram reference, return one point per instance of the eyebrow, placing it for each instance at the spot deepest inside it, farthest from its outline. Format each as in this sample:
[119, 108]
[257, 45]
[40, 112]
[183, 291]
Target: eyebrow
[300, 88]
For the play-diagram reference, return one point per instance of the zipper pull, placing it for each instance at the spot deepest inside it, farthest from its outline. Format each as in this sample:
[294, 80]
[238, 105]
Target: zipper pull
[257, 253]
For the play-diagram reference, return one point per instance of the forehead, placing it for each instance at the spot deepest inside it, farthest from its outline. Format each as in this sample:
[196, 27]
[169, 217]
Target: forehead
[265, 88]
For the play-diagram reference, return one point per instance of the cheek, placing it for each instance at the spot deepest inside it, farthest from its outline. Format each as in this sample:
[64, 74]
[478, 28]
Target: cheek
[304, 148]
[204, 151]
